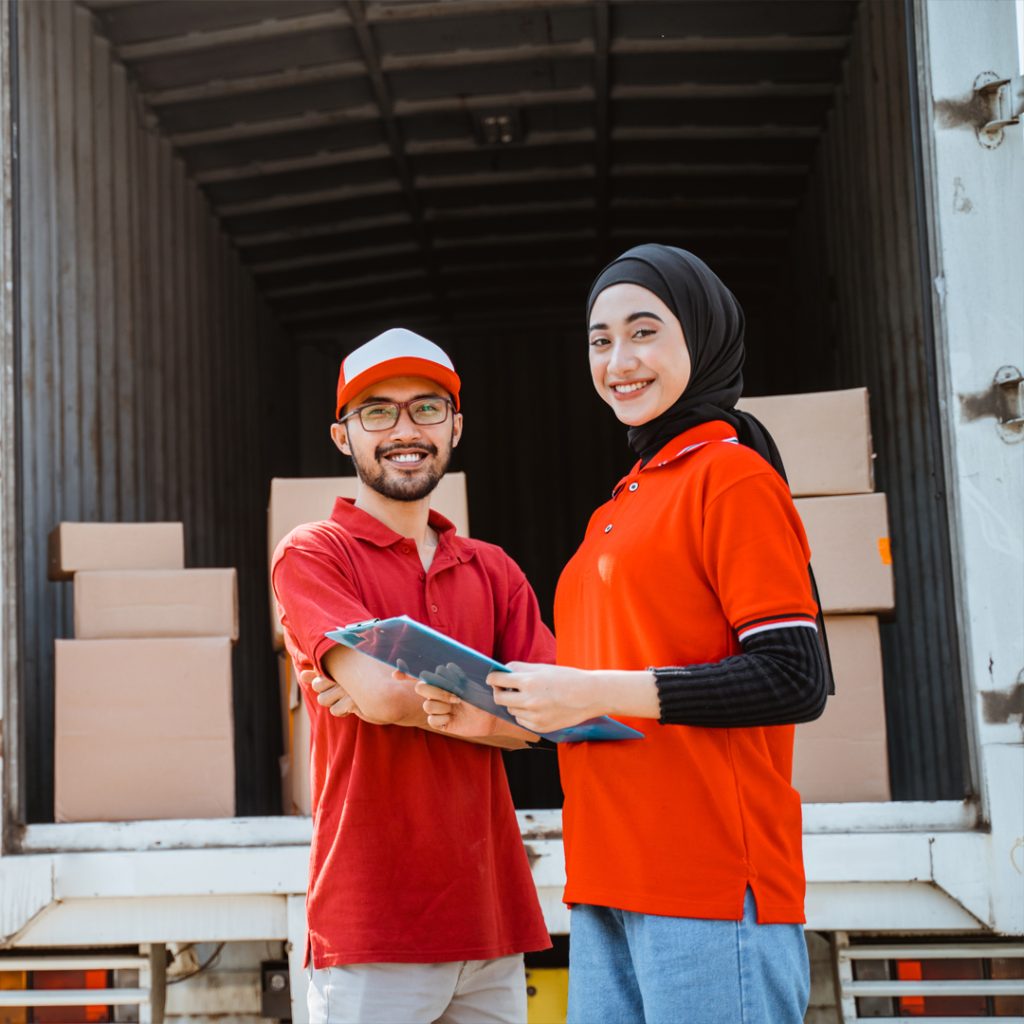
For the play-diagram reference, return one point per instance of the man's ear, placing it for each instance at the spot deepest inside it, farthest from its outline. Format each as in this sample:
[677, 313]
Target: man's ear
[456, 429]
[339, 435]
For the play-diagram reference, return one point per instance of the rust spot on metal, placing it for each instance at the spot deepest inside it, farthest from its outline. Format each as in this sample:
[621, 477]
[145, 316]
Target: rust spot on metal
[532, 830]
[543, 833]
[971, 111]
[999, 706]
[1000, 401]
[980, 405]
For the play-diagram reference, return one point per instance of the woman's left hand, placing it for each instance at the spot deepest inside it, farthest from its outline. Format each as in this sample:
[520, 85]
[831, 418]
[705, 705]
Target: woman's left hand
[544, 698]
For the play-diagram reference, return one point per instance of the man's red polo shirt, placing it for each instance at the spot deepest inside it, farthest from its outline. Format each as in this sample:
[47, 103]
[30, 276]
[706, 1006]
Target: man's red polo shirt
[696, 548]
[416, 854]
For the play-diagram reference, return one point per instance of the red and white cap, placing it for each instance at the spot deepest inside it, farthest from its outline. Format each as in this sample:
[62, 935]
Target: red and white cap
[395, 353]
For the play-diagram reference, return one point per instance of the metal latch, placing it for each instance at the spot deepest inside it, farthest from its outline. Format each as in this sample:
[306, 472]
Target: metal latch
[1010, 382]
[1002, 400]
[1004, 99]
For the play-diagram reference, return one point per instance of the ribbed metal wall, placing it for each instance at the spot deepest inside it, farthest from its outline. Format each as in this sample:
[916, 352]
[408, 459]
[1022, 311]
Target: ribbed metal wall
[859, 303]
[152, 386]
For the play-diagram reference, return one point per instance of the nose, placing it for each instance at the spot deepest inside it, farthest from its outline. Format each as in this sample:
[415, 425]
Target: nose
[405, 428]
[621, 359]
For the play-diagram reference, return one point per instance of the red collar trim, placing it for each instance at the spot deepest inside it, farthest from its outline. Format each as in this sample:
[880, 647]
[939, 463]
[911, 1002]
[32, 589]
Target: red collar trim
[363, 526]
[682, 444]
[713, 430]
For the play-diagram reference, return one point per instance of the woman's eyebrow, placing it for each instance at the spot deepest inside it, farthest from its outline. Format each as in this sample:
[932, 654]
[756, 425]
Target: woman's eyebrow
[629, 319]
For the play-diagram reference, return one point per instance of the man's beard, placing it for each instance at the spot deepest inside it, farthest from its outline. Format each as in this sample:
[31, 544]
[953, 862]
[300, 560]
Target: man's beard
[372, 472]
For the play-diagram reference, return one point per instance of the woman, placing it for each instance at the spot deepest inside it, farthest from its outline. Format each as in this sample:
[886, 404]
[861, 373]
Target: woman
[683, 850]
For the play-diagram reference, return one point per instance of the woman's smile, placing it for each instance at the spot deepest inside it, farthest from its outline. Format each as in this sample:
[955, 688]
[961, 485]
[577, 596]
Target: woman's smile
[629, 389]
[639, 361]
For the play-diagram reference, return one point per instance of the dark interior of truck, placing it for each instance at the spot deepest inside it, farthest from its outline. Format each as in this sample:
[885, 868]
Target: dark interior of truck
[463, 168]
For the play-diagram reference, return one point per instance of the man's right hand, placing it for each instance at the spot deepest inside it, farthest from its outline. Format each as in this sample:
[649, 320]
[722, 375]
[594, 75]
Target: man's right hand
[330, 694]
[333, 696]
[449, 714]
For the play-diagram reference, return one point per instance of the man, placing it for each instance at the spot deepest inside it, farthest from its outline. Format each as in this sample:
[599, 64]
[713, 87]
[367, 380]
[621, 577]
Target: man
[420, 901]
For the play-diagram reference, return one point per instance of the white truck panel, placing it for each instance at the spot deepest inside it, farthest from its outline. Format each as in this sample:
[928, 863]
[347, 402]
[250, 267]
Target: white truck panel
[978, 220]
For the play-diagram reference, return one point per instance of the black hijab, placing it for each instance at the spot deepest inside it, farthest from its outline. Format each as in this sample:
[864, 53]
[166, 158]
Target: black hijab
[712, 322]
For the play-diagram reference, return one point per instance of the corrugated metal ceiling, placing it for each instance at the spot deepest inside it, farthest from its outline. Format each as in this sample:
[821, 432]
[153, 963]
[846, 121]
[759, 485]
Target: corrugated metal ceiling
[345, 146]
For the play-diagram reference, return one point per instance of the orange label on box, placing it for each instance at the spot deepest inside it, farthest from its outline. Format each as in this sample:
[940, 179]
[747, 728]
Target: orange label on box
[885, 550]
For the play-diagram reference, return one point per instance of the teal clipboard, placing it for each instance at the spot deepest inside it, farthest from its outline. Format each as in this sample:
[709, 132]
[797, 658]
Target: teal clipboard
[417, 650]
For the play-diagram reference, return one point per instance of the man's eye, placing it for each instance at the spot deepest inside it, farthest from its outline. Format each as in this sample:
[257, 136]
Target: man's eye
[378, 412]
[428, 407]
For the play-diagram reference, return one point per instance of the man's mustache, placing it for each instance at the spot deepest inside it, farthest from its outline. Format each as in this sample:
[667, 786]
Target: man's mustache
[385, 450]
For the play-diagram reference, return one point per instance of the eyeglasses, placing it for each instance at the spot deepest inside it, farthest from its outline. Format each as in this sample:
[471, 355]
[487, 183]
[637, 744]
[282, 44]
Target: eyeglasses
[424, 412]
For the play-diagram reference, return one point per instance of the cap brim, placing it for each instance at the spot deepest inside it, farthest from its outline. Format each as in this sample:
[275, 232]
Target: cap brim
[405, 366]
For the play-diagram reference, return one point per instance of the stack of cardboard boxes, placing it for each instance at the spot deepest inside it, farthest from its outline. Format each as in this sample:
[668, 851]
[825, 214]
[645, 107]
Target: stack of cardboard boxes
[143, 707]
[306, 500]
[825, 442]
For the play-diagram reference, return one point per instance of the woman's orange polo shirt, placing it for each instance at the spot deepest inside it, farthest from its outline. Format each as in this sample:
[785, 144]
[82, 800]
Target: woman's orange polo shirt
[696, 547]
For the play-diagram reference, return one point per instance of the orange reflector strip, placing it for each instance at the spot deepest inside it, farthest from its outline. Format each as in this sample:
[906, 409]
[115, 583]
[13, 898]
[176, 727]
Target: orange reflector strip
[910, 970]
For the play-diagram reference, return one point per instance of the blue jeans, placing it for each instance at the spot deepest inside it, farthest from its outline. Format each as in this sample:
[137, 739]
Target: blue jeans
[629, 968]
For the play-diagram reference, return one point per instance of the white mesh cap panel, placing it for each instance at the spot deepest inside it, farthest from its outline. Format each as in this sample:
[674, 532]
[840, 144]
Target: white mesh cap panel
[396, 343]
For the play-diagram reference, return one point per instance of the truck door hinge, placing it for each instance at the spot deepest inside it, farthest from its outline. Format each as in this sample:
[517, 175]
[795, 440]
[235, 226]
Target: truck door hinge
[1010, 382]
[1003, 99]
[1002, 400]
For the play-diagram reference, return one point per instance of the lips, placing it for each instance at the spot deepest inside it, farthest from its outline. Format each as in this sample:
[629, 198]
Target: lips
[629, 388]
[406, 456]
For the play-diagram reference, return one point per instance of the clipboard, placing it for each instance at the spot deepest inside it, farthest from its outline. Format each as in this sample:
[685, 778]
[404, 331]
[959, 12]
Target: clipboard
[417, 650]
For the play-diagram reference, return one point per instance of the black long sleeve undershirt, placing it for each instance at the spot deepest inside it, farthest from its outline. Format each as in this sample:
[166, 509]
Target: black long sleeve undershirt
[779, 679]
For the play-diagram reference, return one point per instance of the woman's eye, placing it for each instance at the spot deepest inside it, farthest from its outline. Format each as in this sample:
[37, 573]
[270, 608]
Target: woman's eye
[598, 342]
[643, 332]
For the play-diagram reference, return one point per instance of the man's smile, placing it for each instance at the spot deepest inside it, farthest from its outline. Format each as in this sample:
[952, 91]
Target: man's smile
[406, 456]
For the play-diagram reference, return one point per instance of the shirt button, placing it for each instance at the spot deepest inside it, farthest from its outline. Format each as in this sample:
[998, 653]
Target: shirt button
[608, 528]
[633, 486]
[433, 607]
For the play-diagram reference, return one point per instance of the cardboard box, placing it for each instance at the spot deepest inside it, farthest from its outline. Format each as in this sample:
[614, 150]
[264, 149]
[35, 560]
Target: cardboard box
[288, 686]
[75, 547]
[143, 729]
[850, 554]
[843, 756]
[824, 439]
[156, 603]
[284, 762]
[298, 500]
[298, 772]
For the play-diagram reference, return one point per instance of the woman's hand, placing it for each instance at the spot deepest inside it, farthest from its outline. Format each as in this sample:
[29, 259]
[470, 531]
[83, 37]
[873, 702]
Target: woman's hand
[544, 698]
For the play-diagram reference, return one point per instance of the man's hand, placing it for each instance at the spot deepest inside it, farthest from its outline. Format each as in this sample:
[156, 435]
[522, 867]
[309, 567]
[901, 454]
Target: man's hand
[335, 697]
[460, 721]
[450, 714]
[330, 694]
